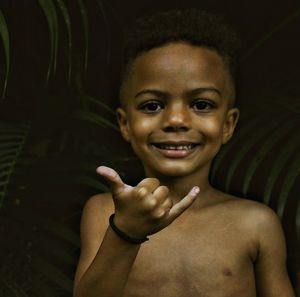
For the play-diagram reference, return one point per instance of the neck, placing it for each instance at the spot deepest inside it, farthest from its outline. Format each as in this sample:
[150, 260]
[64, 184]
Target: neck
[179, 186]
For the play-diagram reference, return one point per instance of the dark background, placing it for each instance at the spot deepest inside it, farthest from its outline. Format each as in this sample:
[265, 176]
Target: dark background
[55, 131]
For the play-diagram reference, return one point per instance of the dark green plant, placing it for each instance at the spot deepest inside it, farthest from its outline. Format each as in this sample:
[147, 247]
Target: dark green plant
[5, 38]
[51, 242]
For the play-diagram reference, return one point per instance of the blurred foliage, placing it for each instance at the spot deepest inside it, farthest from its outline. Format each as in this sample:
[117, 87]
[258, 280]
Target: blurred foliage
[57, 124]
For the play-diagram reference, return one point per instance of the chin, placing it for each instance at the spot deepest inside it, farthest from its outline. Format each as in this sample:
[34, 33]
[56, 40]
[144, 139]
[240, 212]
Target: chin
[170, 170]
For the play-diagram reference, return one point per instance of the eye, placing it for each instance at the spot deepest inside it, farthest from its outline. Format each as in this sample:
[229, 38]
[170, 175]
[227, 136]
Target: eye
[202, 105]
[151, 106]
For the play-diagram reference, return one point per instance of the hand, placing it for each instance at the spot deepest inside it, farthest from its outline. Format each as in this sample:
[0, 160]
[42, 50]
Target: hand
[145, 209]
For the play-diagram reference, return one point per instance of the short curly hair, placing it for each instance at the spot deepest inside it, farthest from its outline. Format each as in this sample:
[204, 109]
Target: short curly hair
[194, 26]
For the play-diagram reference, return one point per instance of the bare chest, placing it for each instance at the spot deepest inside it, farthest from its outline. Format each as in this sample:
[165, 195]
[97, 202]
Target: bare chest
[203, 262]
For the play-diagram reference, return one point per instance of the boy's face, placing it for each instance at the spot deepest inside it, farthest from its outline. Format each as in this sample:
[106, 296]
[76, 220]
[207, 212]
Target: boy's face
[177, 108]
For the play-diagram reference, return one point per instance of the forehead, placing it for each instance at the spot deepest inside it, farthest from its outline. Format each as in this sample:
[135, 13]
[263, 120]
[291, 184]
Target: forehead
[175, 68]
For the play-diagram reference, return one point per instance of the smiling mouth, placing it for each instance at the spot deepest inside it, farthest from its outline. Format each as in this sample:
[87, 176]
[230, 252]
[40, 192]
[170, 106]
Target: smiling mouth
[175, 147]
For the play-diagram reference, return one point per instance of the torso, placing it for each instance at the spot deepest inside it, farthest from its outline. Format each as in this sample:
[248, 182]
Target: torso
[204, 253]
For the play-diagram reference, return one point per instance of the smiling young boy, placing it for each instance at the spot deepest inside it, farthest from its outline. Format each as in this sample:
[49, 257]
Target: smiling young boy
[177, 109]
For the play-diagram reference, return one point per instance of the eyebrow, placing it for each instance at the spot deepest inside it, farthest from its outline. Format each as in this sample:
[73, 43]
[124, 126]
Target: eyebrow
[152, 91]
[189, 93]
[205, 89]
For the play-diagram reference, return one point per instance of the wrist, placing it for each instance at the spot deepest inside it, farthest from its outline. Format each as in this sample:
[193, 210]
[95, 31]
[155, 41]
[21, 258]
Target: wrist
[124, 235]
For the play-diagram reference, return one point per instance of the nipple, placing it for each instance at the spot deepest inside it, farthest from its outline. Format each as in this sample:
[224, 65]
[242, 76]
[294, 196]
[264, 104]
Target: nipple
[226, 271]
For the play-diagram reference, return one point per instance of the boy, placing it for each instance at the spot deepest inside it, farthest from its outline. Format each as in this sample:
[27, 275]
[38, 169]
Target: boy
[177, 109]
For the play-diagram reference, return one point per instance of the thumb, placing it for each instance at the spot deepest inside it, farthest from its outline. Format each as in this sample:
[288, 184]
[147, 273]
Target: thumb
[183, 204]
[113, 178]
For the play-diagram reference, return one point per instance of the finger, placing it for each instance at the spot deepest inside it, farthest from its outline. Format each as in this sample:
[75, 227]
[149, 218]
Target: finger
[149, 183]
[167, 204]
[183, 204]
[161, 193]
[163, 209]
[112, 177]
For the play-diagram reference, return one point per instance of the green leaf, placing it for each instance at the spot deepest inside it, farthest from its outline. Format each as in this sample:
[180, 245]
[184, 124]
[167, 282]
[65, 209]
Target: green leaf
[108, 33]
[5, 164]
[4, 173]
[247, 145]
[11, 145]
[42, 287]
[239, 136]
[94, 118]
[264, 149]
[5, 38]
[52, 273]
[8, 137]
[298, 220]
[270, 34]
[51, 15]
[56, 250]
[58, 229]
[84, 16]
[291, 146]
[13, 129]
[98, 102]
[67, 20]
[7, 152]
[91, 182]
[289, 180]
[11, 288]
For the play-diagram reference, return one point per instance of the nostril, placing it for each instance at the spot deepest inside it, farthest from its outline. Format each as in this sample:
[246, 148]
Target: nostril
[175, 128]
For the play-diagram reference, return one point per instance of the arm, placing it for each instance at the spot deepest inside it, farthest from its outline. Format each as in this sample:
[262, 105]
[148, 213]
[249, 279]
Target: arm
[106, 260]
[271, 275]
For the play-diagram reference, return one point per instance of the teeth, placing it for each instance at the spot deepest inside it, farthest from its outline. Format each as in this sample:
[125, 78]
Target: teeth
[176, 147]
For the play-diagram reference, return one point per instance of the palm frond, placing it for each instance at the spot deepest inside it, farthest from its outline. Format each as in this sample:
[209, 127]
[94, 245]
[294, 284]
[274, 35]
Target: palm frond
[5, 38]
[52, 273]
[291, 146]
[95, 119]
[239, 137]
[52, 19]
[84, 16]
[107, 30]
[98, 102]
[289, 180]
[67, 20]
[41, 286]
[10, 288]
[298, 220]
[58, 229]
[270, 34]
[271, 140]
[10, 150]
[93, 183]
[61, 254]
[248, 144]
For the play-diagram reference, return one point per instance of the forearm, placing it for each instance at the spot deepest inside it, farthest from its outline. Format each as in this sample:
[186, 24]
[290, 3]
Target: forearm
[108, 273]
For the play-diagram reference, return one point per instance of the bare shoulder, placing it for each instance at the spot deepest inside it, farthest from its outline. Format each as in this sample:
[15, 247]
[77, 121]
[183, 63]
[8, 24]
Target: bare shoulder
[94, 220]
[94, 223]
[257, 218]
[255, 212]
[98, 206]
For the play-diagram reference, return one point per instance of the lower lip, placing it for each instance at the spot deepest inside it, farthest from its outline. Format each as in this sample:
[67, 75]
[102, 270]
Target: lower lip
[176, 153]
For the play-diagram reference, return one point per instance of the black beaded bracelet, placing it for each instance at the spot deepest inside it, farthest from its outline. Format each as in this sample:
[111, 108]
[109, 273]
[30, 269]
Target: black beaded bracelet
[123, 235]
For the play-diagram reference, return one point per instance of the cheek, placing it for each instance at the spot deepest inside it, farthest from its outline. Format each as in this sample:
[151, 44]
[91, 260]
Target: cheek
[212, 129]
[139, 131]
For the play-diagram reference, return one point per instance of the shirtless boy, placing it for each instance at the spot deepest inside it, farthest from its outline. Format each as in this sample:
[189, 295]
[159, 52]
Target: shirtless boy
[177, 109]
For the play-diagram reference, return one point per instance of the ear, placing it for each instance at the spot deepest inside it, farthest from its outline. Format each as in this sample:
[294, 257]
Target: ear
[230, 124]
[123, 123]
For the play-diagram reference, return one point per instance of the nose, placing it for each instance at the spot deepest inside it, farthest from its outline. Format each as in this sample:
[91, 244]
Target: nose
[176, 118]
